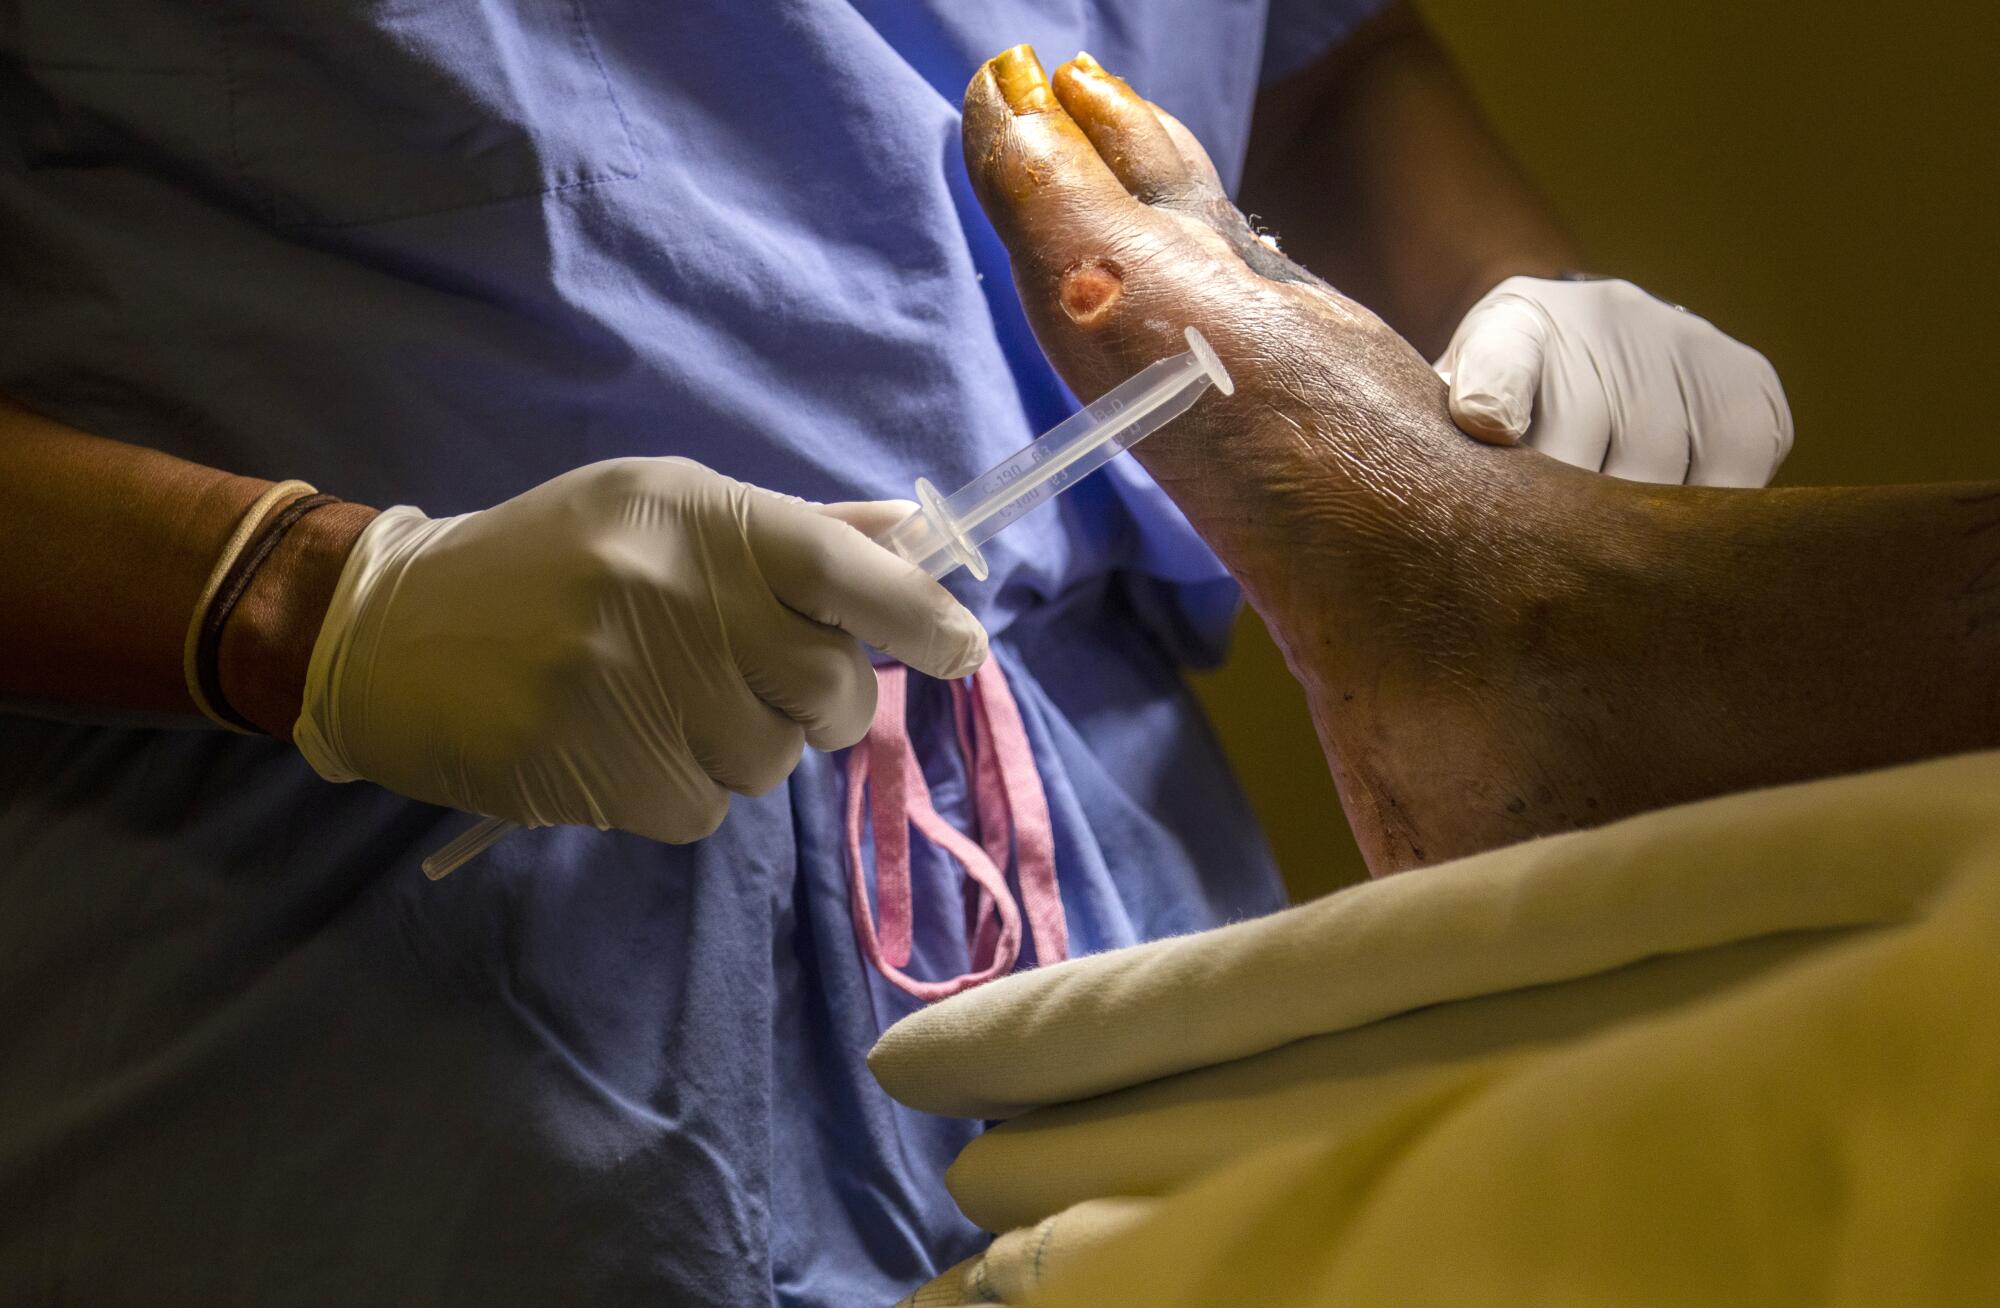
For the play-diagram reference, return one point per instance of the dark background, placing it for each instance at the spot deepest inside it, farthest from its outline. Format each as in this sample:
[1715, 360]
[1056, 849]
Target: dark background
[1819, 180]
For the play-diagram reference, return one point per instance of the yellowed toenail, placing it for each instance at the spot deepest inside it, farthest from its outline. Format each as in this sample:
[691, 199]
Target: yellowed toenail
[1022, 82]
[1089, 290]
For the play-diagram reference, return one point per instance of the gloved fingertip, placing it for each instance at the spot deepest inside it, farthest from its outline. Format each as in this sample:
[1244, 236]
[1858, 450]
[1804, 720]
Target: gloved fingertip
[977, 654]
[1495, 419]
[969, 651]
[965, 639]
[950, 644]
[831, 740]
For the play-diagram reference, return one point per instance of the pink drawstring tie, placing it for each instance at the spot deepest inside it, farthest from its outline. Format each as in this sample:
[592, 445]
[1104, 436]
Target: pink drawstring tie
[1011, 809]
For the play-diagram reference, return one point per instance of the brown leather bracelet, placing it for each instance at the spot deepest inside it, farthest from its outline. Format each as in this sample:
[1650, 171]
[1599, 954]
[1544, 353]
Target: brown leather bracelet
[208, 644]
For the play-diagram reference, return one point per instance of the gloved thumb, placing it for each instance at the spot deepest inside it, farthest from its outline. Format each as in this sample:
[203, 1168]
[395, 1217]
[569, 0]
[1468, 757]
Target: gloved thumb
[1495, 361]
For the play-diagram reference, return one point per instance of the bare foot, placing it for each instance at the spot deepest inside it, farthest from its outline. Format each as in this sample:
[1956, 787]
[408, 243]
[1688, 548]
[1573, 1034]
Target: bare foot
[1405, 570]
[1494, 645]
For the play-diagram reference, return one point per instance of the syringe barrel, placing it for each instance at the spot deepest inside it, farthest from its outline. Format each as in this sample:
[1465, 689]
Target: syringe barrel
[945, 533]
[1084, 442]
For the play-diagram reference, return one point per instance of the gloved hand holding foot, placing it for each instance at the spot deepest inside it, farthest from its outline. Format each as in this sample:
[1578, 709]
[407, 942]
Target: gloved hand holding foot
[1604, 376]
[621, 646]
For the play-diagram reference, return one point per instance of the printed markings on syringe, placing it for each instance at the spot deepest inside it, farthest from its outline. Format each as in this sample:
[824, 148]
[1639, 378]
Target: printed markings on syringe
[1013, 472]
[998, 480]
[1041, 494]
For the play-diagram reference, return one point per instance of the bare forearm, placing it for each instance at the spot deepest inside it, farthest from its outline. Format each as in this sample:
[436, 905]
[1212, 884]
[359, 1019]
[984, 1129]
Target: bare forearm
[104, 550]
[1378, 172]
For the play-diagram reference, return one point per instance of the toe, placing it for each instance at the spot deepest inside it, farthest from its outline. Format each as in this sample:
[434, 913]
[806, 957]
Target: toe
[1150, 151]
[1191, 150]
[1038, 177]
[1128, 134]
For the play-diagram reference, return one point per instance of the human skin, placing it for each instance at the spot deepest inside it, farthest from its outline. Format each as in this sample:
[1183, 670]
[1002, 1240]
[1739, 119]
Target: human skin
[104, 549]
[1379, 170]
[1494, 645]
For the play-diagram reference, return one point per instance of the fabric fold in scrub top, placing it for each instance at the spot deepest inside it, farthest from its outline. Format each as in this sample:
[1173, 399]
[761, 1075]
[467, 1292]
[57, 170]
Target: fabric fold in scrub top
[435, 254]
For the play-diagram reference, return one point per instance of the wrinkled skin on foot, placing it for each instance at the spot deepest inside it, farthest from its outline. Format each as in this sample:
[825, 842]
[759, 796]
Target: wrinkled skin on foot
[1402, 568]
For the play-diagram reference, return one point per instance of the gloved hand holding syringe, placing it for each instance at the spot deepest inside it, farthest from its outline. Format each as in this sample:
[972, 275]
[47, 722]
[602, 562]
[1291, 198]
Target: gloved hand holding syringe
[945, 532]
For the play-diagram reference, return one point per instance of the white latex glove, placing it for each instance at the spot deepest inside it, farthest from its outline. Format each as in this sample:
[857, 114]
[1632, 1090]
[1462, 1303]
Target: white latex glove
[621, 646]
[1602, 375]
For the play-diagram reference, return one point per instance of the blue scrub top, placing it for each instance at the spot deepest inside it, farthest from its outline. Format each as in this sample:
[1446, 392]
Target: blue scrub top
[436, 253]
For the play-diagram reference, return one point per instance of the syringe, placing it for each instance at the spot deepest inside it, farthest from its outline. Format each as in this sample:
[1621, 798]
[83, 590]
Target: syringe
[945, 532]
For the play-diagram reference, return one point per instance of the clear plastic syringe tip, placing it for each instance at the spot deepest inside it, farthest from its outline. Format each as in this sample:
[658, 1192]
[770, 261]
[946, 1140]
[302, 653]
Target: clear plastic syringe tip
[945, 532]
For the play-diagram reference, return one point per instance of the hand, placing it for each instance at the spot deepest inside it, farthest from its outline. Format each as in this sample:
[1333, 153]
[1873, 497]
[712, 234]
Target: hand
[621, 646]
[1602, 375]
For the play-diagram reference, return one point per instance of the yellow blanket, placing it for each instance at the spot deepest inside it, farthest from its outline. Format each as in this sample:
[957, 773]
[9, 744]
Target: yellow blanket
[1745, 1051]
